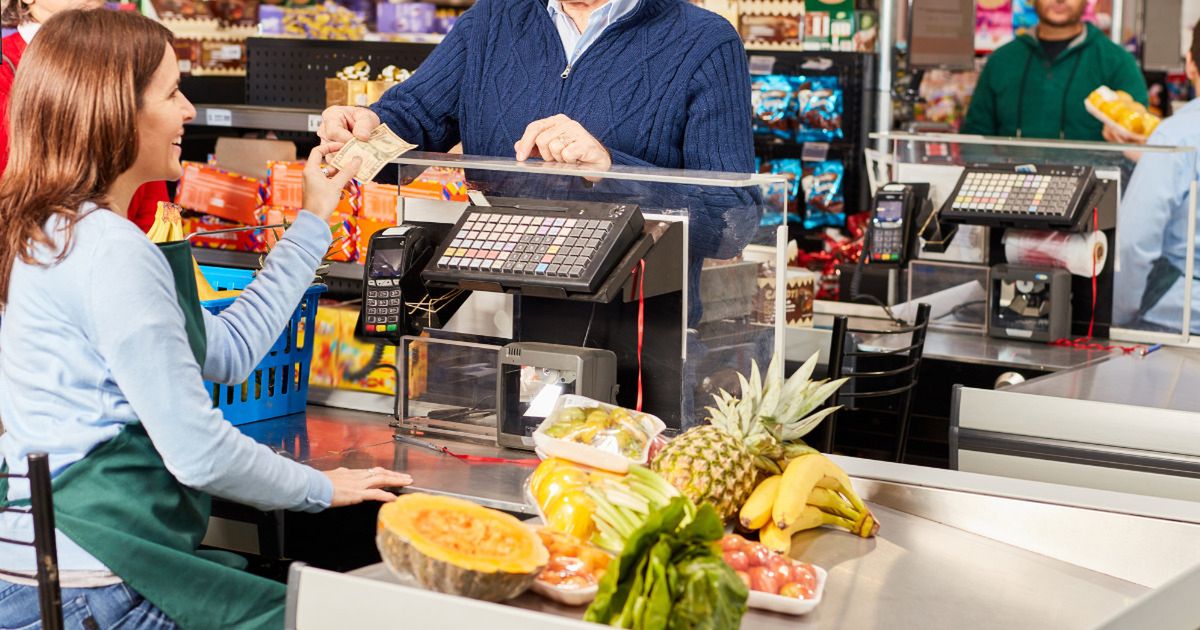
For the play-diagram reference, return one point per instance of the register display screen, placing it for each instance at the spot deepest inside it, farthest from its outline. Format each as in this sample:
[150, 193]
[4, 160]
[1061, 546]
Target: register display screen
[387, 263]
[889, 211]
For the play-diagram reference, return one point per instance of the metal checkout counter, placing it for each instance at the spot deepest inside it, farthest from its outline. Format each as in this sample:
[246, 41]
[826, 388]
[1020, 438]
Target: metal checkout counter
[955, 550]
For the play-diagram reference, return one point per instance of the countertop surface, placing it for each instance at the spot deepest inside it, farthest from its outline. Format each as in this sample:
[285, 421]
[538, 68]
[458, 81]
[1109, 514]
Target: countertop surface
[327, 438]
[919, 572]
[1166, 379]
[913, 575]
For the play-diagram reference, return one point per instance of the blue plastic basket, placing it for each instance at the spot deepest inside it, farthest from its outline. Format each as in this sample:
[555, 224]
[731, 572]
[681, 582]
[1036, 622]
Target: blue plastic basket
[279, 385]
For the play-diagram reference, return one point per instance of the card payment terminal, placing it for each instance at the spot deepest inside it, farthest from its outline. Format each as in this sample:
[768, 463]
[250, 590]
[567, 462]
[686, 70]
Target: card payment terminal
[395, 257]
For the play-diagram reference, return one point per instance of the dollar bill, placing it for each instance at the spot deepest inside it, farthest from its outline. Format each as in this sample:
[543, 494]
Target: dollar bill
[375, 153]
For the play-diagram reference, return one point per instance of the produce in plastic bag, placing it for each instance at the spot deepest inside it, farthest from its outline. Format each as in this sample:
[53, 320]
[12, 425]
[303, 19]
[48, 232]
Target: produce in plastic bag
[597, 434]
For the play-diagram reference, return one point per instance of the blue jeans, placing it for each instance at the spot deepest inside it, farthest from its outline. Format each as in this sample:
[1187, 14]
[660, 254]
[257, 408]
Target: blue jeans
[102, 608]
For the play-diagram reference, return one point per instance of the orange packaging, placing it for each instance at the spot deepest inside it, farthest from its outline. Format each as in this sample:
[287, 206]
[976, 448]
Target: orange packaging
[342, 224]
[324, 371]
[354, 355]
[218, 192]
[246, 241]
[367, 228]
[379, 202]
[438, 183]
[285, 184]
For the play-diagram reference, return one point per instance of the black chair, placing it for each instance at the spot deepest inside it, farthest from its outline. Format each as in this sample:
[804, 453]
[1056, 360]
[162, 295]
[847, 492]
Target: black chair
[41, 507]
[860, 385]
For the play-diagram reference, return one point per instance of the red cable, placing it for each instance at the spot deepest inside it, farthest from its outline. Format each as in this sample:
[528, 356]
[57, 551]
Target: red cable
[490, 460]
[640, 274]
[1085, 343]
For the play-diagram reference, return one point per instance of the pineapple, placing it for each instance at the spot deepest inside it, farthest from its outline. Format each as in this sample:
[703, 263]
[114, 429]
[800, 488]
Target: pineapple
[720, 462]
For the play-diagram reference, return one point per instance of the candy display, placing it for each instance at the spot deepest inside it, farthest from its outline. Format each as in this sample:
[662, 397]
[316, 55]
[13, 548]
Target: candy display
[774, 103]
[793, 169]
[406, 17]
[798, 108]
[819, 102]
[824, 199]
[327, 21]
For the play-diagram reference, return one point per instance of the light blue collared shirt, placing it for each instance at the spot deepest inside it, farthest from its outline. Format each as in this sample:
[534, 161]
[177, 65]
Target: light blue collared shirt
[1153, 223]
[575, 43]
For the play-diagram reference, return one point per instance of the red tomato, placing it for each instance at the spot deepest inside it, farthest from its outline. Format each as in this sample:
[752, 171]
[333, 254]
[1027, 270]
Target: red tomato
[745, 578]
[783, 567]
[732, 542]
[764, 580]
[797, 590]
[759, 554]
[738, 560]
[803, 573]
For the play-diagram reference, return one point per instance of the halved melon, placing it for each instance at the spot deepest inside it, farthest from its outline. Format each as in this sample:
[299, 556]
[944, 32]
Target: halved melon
[455, 546]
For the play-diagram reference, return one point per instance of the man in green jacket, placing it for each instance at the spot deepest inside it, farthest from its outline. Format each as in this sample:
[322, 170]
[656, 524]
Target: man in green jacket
[1035, 85]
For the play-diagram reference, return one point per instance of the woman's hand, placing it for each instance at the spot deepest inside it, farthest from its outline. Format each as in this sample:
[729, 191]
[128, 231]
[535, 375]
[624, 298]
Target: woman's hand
[341, 123]
[322, 190]
[560, 139]
[353, 486]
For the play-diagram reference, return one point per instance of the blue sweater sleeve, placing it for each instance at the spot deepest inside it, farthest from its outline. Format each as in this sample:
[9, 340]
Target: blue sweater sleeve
[241, 335]
[136, 327]
[423, 109]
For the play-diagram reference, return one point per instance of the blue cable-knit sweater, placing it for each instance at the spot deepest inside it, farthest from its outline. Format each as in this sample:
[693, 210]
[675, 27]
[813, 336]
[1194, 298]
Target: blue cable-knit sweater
[666, 85]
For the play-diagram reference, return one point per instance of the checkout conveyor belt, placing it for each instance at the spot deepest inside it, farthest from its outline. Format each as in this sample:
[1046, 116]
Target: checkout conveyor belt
[955, 550]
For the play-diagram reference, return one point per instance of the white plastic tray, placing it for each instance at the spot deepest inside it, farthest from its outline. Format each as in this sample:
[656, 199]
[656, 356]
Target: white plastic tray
[790, 605]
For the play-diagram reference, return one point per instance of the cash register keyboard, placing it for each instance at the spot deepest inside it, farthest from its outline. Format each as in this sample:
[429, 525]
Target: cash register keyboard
[572, 247]
[1053, 195]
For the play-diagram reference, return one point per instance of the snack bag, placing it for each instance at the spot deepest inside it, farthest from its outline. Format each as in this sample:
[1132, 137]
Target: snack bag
[793, 170]
[820, 103]
[774, 103]
[824, 200]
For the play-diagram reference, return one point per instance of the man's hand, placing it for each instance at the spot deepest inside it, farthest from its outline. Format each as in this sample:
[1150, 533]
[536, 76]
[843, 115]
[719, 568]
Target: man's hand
[341, 123]
[560, 139]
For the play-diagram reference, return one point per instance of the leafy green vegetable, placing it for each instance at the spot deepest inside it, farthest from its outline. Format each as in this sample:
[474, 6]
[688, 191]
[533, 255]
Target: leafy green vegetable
[670, 576]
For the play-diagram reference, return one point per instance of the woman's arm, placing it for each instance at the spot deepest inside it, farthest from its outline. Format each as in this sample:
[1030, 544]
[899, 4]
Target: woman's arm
[137, 328]
[241, 335]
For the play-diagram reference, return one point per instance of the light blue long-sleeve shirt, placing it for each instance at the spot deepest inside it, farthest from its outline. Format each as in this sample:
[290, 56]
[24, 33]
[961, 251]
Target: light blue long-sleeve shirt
[574, 42]
[1153, 223]
[97, 341]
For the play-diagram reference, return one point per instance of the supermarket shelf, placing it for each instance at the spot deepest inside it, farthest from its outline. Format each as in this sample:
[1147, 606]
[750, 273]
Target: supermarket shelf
[249, 260]
[256, 117]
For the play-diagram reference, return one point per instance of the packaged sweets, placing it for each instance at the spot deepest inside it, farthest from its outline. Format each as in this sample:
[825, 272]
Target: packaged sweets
[819, 103]
[773, 98]
[824, 198]
[792, 169]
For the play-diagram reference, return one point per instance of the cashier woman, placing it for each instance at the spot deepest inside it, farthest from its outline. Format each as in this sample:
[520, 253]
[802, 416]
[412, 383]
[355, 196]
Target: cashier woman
[96, 367]
[1152, 225]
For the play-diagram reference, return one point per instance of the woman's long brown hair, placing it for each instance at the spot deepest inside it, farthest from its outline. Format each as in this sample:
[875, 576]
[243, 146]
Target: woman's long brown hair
[72, 120]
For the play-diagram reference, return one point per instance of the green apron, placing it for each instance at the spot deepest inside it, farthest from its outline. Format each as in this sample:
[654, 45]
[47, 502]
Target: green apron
[122, 505]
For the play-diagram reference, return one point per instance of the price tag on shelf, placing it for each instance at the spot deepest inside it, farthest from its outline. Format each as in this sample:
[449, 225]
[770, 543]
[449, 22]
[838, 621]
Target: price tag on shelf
[762, 64]
[218, 118]
[314, 122]
[814, 151]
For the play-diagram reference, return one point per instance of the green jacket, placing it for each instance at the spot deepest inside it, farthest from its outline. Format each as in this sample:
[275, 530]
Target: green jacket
[1019, 72]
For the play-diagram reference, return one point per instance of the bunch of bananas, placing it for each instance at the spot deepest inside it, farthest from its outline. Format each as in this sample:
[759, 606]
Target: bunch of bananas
[812, 491]
[168, 227]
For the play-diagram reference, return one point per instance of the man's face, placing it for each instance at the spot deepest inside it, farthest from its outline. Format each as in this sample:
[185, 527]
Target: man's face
[1060, 12]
